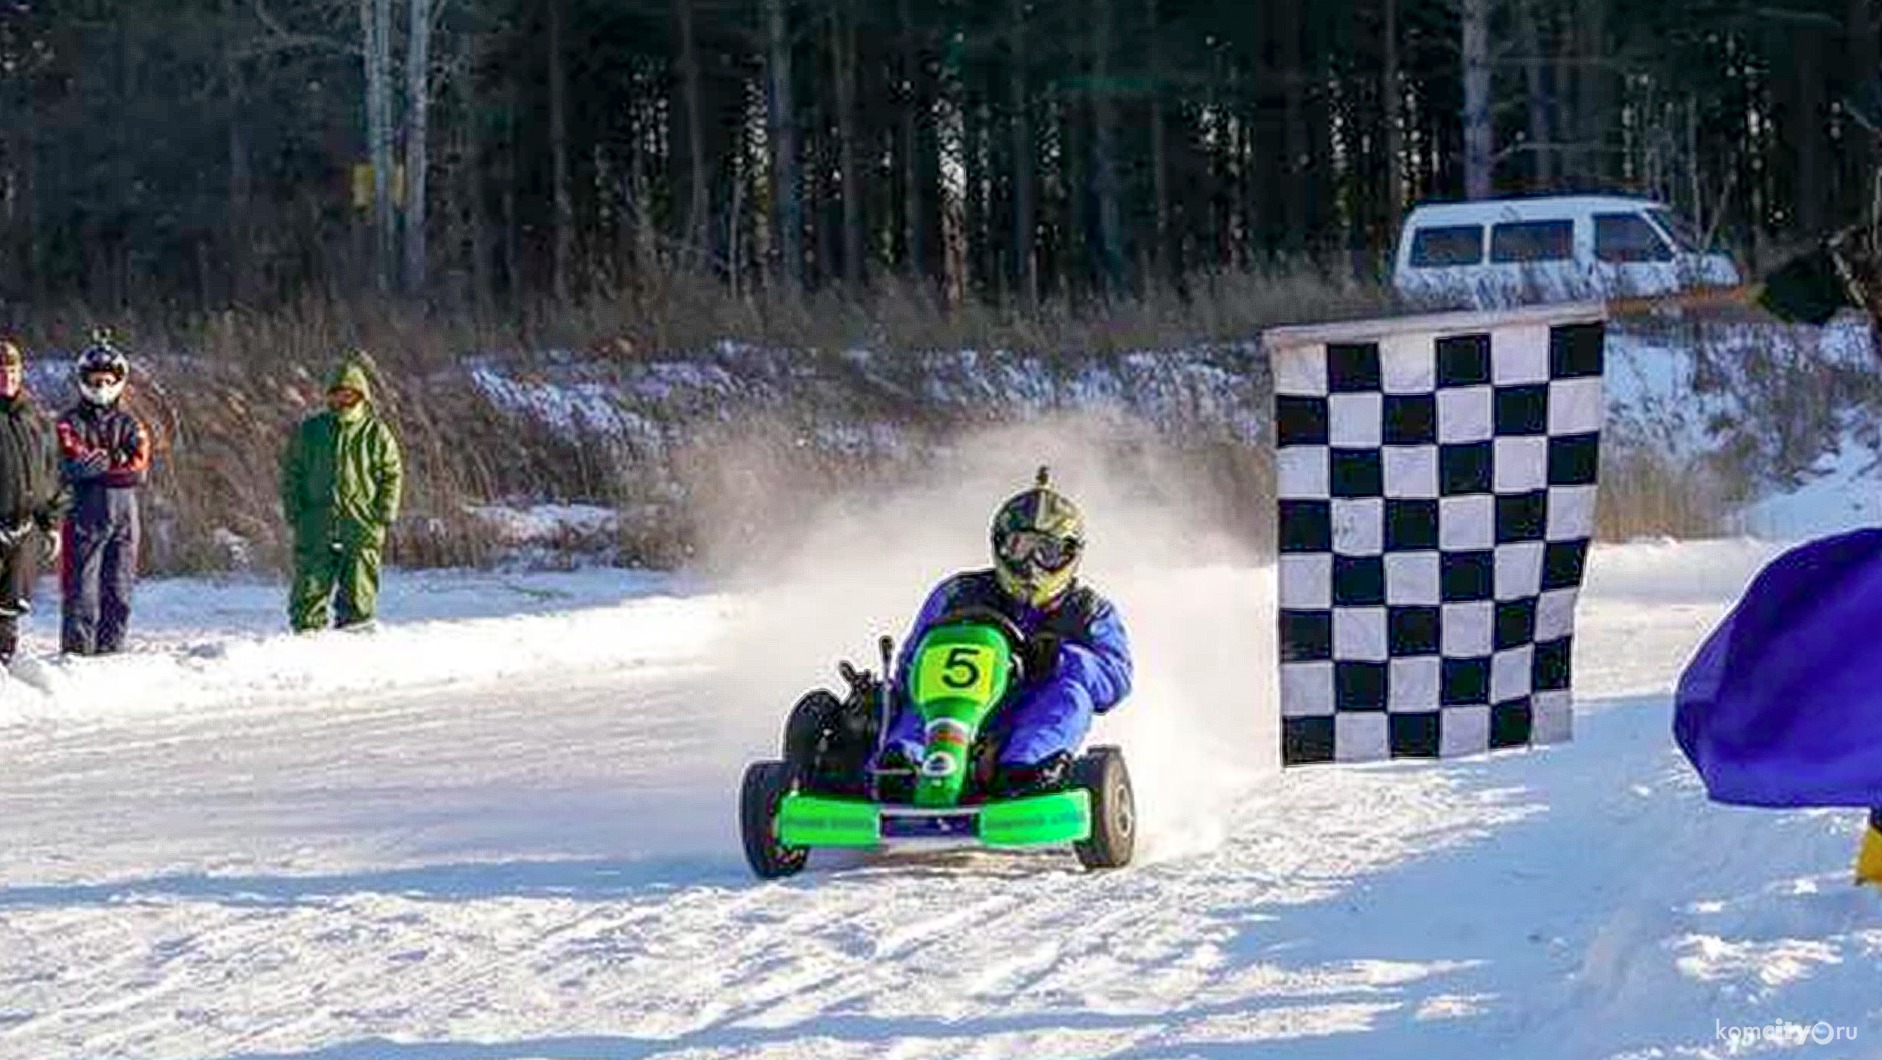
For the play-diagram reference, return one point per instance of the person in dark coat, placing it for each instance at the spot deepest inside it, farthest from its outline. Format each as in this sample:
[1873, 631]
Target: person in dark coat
[104, 453]
[1837, 273]
[1842, 271]
[33, 499]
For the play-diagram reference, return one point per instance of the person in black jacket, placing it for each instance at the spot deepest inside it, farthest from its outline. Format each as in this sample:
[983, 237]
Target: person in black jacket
[33, 500]
[104, 452]
[1842, 271]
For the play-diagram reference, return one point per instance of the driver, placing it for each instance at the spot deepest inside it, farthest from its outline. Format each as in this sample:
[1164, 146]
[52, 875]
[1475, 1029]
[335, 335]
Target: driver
[1076, 661]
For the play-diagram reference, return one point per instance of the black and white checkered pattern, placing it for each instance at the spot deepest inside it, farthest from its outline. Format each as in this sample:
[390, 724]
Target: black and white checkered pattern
[1437, 496]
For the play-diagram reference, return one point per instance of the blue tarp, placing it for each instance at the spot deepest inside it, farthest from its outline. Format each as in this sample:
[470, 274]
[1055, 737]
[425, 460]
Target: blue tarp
[1782, 706]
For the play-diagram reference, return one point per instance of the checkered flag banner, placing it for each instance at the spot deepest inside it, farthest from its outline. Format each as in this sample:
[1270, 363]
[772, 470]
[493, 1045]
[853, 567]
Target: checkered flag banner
[1436, 485]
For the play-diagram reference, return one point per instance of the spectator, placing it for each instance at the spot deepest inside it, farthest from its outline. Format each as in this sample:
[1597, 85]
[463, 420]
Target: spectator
[1785, 678]
[105, 455]
[33, 500]
[340, 482]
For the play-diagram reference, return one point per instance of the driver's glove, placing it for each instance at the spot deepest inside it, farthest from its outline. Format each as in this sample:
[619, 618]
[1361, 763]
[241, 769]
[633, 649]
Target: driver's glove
[1041, 656]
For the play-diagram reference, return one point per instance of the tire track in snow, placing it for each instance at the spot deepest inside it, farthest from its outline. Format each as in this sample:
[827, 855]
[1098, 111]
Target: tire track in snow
[613, 903]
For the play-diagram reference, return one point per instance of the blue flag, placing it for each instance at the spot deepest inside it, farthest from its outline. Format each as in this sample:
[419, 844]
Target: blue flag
[1782, 706]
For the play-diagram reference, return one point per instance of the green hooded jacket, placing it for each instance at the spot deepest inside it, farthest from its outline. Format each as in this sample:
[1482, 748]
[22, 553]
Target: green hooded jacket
[342, 473]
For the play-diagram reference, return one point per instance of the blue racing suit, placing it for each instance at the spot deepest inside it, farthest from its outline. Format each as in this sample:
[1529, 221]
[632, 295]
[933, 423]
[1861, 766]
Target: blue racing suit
[1052, 712]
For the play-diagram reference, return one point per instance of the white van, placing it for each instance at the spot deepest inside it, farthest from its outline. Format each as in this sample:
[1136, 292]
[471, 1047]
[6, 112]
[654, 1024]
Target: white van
[1558, 248]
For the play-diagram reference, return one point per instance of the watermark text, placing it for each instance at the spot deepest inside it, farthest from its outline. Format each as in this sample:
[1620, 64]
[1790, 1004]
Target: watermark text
[1783, 1032]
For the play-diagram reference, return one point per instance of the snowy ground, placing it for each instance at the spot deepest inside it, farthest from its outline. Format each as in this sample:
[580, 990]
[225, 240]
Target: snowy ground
[501, 828]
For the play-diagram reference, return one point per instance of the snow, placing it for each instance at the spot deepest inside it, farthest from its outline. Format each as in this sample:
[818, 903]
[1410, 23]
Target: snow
[1653, 405]
[543, 522]
[199, 644]
[1845, 493]
[501, 827]
[1648, 384]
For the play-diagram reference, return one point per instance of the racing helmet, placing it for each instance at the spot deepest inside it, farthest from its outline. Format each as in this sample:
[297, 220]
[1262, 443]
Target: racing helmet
[1038, 538]
[102, 371]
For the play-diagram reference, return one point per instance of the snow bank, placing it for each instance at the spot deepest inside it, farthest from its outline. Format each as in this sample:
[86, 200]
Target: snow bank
[1844, 493]
[543, 523]
[198, 644]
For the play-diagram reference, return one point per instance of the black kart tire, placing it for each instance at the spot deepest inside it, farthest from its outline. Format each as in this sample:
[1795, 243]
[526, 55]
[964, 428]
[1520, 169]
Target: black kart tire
[765, 784]
[1101, 771]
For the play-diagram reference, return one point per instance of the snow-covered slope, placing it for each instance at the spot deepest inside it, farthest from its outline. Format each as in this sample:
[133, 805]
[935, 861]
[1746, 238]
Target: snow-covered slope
[538, 859]
[1745, 413]
[206, 644]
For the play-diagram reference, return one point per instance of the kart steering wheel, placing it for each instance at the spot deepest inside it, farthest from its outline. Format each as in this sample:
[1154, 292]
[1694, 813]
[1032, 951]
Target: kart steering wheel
[1016, 639]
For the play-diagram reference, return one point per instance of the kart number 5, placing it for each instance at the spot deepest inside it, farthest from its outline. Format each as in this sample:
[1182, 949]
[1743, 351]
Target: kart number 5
[961, 668]
[955, 670]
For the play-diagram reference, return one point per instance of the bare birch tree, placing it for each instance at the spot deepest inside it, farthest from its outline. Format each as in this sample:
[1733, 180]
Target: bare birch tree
[375, 24]
[1104, 118]
[698, 202]
[1478, 130]
[1025, 215]
[787, 212]
[417, 139]
[855, 266]
[559, 156]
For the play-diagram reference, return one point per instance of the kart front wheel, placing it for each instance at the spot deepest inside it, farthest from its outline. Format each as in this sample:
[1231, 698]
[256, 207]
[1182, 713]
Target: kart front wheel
[1113, 809]
[765, 784]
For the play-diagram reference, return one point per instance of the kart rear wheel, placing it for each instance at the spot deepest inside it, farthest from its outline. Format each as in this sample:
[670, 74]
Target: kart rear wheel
[1101, 772]
[805, 728]
[765, 784]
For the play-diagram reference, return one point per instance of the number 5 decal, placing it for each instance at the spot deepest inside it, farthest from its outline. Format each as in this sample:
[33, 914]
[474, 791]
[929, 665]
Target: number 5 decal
[961, 669]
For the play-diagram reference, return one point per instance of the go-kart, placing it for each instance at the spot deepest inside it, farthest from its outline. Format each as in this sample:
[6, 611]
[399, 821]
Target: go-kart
[828, 790]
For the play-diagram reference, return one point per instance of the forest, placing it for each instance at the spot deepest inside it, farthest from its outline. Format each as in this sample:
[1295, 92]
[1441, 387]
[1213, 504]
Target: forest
[478, 155]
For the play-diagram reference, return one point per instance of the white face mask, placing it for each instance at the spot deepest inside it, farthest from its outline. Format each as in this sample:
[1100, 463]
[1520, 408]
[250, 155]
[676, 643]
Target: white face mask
[101, 393]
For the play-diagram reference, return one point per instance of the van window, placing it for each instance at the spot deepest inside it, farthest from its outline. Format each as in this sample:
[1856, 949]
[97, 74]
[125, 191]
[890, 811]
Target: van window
[1532, 241]
[1683, 238]
[1449, 245]
[1627, 237]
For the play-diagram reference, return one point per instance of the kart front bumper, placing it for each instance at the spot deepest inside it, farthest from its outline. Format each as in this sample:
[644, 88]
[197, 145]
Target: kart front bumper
[806, 820]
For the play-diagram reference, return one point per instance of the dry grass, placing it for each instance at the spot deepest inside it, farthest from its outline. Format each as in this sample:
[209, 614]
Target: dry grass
[678, 312]
[1649, 494]
[228, 386]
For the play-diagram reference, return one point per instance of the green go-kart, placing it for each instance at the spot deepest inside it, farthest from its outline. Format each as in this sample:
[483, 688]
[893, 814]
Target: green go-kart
[827, 793]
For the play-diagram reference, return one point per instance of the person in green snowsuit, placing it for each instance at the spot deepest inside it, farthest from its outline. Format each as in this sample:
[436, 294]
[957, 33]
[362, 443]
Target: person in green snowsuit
[340, 482]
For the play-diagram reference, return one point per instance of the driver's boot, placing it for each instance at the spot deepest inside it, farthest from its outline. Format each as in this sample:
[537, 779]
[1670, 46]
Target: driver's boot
[892, 777]
[1016, 779]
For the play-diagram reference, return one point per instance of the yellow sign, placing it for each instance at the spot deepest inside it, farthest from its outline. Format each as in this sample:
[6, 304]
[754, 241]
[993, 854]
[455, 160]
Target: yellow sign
[963, 671]
[362, 174]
